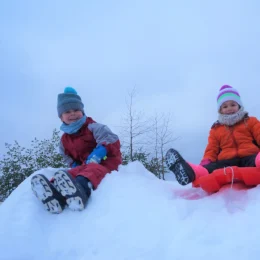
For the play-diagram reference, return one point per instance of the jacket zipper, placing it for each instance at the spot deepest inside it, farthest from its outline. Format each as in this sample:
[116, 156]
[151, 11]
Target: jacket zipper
[234, 140]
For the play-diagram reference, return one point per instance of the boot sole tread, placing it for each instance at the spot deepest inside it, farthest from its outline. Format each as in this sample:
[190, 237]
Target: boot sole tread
[65, 185]
[181, 169]
[43, 191]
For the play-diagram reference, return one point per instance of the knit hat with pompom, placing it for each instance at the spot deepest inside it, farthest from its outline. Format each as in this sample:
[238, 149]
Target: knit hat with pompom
[227, 93]
[69, 100]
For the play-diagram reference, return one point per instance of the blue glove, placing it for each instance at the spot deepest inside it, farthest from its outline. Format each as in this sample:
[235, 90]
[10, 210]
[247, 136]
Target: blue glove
[74, 164]
[97, 155]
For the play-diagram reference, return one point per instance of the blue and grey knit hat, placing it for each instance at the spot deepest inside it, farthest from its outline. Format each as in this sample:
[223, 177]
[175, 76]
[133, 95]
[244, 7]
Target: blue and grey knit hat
[69, 100]
[227, 93]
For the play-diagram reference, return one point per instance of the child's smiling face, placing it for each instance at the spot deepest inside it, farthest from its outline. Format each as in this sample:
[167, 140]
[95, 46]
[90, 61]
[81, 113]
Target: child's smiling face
[71, 116]
[229, 107]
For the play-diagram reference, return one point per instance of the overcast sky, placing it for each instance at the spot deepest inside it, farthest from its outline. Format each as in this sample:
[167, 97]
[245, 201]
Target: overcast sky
[176, 53]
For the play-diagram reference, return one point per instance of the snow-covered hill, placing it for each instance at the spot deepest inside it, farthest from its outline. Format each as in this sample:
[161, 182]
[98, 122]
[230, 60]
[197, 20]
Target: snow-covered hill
[133, 216]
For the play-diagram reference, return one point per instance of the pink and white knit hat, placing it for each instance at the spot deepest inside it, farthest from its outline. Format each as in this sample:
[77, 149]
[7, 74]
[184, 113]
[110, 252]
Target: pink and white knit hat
[227, 93]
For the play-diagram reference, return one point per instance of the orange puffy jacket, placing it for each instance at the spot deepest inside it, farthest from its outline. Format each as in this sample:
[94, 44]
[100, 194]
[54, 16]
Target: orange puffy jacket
[227, 142]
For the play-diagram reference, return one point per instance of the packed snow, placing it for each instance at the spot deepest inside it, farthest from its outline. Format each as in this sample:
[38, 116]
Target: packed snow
[133, 216]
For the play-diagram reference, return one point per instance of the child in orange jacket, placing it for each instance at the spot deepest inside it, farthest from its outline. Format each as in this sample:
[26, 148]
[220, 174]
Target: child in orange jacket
[234, 140]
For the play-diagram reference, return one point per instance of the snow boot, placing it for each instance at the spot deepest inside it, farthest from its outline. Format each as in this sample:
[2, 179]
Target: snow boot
[85, 183]
[76, 196]
[43, 189]
[182, 170]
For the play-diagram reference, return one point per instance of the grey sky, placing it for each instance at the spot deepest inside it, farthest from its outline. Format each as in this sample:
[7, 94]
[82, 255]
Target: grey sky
[176, 53]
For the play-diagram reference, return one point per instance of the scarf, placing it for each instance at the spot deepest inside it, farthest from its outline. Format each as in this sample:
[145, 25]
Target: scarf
[73, 127]
[233, 118]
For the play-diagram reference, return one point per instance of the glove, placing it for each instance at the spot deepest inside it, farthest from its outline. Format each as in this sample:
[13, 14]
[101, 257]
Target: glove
[205, 162]
[74, 164]
[97, 155]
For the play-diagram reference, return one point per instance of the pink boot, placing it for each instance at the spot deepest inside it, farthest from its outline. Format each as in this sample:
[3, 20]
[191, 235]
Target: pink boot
[257, 160]
[200, 170]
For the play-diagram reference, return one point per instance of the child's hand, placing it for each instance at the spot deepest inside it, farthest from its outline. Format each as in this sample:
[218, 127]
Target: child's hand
[205, 162]
[97, 155]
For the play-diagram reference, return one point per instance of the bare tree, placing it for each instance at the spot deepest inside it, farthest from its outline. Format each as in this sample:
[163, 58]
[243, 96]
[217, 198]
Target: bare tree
[161, 138]
[134, 126]
[146, 140]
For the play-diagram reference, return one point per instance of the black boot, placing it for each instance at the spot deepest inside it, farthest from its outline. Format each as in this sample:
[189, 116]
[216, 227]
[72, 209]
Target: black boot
[182, 170]
[43, 189]
[74, 193]
[85, 183]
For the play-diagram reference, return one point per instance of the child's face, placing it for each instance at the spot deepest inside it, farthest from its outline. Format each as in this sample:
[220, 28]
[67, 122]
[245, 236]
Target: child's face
[71, 116]
[229, 107]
